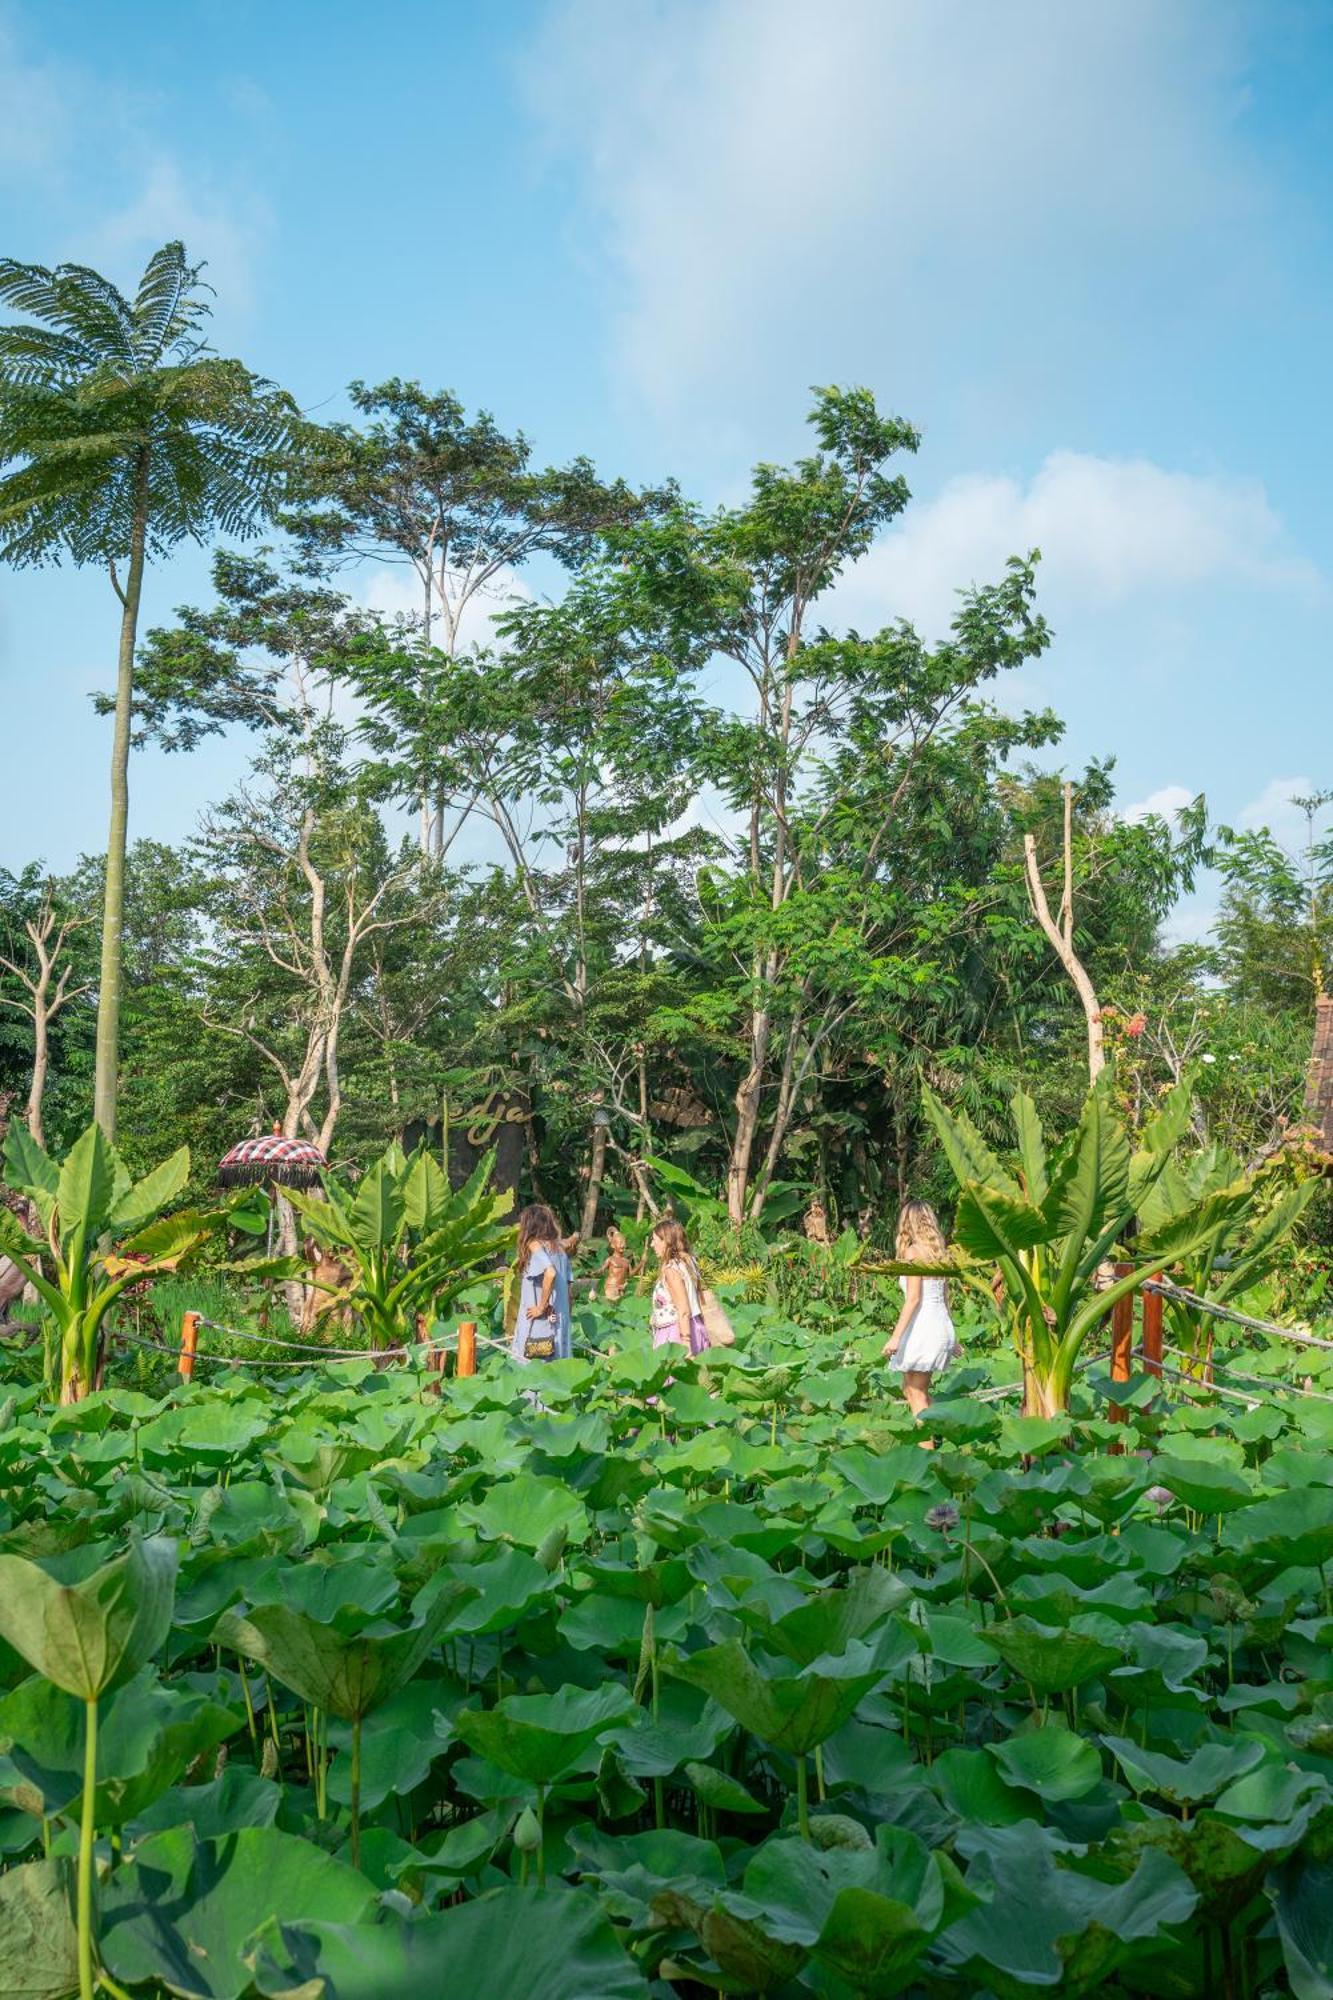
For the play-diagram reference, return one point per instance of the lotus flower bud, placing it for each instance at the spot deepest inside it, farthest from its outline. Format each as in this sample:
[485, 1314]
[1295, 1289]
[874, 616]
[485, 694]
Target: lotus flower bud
[527, 1832]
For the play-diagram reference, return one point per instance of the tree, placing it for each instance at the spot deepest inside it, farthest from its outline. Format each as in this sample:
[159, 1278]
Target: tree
[39, 984]
[745, 581]
[458, 502]
[126, 436]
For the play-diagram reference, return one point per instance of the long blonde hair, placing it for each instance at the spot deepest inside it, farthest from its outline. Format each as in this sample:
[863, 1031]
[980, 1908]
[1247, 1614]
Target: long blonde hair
[919, 1234]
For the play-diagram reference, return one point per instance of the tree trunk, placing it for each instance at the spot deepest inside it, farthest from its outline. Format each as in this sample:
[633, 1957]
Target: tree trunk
[1060, 935]
[106, 1070]
[749, 1098]
[596, 1175]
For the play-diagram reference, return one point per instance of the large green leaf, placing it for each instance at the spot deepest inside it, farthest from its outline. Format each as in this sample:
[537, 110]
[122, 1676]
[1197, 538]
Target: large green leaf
[378, 1212]
[347, 1674]
[792, 1712]
[538, 1737]
[534, 1944]
[140, 1203]
[528, 1511]
[147, 1736]
[89, 1636]
[991, 1224]
[186, 1913]
[427, 1195]
[1052, 1762]
[38, 1941]
[971, 1159]
[1188, 1781]
[1088, 1200]
[86, 1189]
[1303, 1903]
[867, 1914]
[1031, 1148]
[1208, 1487]
[28, 1167]
[1051, 1661]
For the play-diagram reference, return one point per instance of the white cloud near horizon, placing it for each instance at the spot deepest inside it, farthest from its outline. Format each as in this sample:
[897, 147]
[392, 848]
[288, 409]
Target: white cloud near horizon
[771, 182]
[1109, 530]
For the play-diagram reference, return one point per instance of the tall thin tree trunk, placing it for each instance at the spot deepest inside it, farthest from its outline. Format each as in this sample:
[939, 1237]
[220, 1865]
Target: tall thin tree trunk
[106, 1069]
[596, 1175]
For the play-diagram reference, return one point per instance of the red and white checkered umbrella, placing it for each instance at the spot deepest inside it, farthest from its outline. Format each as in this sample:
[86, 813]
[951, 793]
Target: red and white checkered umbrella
[259, 1162]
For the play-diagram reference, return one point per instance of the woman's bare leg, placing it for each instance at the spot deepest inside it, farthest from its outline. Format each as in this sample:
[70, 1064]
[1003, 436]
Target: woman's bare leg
[916, 1388]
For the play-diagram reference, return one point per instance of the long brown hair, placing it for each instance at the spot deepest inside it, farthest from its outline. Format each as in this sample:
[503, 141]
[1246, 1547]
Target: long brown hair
[536, 1226]
[672, 1234]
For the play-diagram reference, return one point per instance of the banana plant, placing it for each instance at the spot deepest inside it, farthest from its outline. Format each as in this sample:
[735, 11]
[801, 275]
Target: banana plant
[410, 1241]
[1239, 1252]
[102, 1231]
[1051, 1221]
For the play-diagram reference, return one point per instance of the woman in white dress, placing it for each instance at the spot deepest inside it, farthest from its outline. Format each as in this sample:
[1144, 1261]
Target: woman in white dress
[924, 1340]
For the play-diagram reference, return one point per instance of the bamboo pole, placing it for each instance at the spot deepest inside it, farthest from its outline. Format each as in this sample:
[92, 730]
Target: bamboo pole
[189, 1345]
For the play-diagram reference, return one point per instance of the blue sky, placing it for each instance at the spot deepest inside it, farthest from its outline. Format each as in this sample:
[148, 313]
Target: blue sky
[1086, 249]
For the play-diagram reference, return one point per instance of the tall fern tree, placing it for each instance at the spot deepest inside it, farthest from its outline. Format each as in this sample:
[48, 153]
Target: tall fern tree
[123, 434]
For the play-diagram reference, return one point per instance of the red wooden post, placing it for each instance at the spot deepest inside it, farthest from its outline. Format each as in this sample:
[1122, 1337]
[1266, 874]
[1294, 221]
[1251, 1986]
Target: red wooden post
[467, 1347]
[189, 1344]
[1122, 1341]
[1152, 1333]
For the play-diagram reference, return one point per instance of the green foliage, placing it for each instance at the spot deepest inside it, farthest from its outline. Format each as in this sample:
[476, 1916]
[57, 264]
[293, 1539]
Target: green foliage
[83, 1203]
[761, 1690]
[1050, 1224]
[412, 1243]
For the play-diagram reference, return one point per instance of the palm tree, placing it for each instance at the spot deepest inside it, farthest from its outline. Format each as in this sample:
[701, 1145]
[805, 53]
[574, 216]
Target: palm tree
[123, 434]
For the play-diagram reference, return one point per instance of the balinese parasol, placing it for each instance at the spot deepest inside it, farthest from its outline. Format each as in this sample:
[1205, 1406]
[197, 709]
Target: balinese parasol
[272, 1160]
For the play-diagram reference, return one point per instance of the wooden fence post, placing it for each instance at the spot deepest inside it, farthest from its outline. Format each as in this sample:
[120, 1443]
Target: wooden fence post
[189, 1345]
[1152, 1333]
[1122, 1341]
[467, 1347]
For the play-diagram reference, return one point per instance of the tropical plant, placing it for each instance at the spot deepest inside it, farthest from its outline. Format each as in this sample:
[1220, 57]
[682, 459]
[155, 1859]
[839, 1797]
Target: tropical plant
[103, 1232]
[1237, 1253]
[1051, 1224]
[126, 436]
[410, 1241]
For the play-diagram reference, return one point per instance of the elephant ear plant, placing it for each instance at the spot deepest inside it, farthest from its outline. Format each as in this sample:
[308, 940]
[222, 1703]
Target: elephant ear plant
[410, 1241]
[1050, 1221]
[102, 1231]
[1239, 1252]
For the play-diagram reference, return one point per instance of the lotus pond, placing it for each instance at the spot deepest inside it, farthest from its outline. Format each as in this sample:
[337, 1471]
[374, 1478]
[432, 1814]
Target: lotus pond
[684, 1678]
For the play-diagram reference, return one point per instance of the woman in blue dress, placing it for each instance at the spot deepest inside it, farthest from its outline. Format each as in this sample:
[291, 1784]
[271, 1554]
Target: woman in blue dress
[543, 1330]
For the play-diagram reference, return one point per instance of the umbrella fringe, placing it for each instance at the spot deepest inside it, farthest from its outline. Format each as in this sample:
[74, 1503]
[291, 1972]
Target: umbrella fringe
[259, 1173]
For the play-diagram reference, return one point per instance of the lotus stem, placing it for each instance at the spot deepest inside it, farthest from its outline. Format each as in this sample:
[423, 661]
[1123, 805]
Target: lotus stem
[819, 1772]
[86, 1830]
[541, 1828]
[356, 1791]
[802, 1798]
[249, 1709]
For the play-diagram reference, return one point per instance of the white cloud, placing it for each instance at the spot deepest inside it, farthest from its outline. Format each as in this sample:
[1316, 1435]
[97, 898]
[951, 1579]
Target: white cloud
[224, 232]
[1109, 531]
[778, 181]
[1276, 808]
[36, 116]
[1164, 803]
